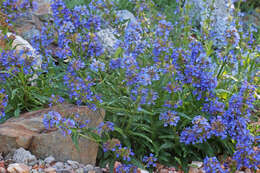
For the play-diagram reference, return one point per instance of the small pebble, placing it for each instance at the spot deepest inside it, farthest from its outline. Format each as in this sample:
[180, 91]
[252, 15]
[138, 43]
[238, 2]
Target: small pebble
[65, 171]
[2, 170]
[98, 170]
[58, 165]
[88, 168]
[18, 167]
[50, 170]
[197, 164]
[73, 164]
[49, 160]
[80, 170]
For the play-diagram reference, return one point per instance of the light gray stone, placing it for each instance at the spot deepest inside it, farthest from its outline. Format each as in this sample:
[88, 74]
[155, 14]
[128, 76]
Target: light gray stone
[73, 164]
[126, 15]
[88, 168]
[58, 165]
[108, 40]
[23, 156]
[49, 159]
[80, 170]
[32, 33]
[196, 164]
[20, 44]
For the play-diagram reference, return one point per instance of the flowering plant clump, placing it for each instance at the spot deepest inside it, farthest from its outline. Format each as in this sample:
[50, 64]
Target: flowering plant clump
[171, 96]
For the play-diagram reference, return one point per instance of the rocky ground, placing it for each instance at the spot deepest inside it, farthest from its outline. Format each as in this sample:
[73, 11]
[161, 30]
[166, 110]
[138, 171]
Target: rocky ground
[22, 161]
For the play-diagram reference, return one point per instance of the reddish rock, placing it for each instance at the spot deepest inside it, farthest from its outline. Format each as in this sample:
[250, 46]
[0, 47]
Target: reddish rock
[194, 170]
[50, 170]
[28, 132]
[18, 168]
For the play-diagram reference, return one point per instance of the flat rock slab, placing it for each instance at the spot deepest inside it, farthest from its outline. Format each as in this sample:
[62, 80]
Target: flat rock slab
[28, 132]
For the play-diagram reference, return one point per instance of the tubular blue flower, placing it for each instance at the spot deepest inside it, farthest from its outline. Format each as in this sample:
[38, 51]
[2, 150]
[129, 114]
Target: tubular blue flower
[126, 168]
[212, 165]
[3, 103]
[105, 127]
[218, 127]
[97, 65]
[150, 161]
[55, 99]
[52, 119]
[169, 118]
[199, 132]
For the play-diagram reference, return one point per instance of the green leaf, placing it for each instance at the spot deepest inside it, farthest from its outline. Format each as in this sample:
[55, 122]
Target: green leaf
[142, 136]
[17, 112]
[167, 137]
[120, 131]
[184, 115]
[75, 139]
[166, 145]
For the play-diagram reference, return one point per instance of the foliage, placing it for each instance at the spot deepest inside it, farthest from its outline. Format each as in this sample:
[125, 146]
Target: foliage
[171, 95]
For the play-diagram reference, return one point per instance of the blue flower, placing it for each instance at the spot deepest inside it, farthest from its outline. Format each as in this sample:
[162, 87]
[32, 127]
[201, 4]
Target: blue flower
[105, 127]
[169, 118]
[150, 161]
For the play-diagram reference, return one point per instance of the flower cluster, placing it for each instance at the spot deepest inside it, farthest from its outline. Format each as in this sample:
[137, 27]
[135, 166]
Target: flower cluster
[150, 161]
[54, 119]
[3, 103]
[149, 76]
[105, 127]
[55, 99]
[198, 133]
[12, 63]
[169, 118]
[126, 168]
[212, 165]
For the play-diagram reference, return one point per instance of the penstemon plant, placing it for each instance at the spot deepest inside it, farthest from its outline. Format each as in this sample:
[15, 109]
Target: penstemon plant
[171, 96]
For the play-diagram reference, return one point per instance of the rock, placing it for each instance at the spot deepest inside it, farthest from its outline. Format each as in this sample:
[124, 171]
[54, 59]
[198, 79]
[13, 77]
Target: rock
[18, 168]
[32, 33]
[21, 44]
[49, 159]
[91, 171]
[164, 171]
[201, 170]
[43, 8]
[88, 168]
[194, 170]
[143, 171]
[196, 164]
[73, 164]
[2, 170]
[108, 40]
[43, 143]
[23, 156]
[98, 170]
[50, 170]
[221, 15]
[66, 170]
[58, 165]
[126, 15]
[80, 170]
[2, 164]
[248, 170]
